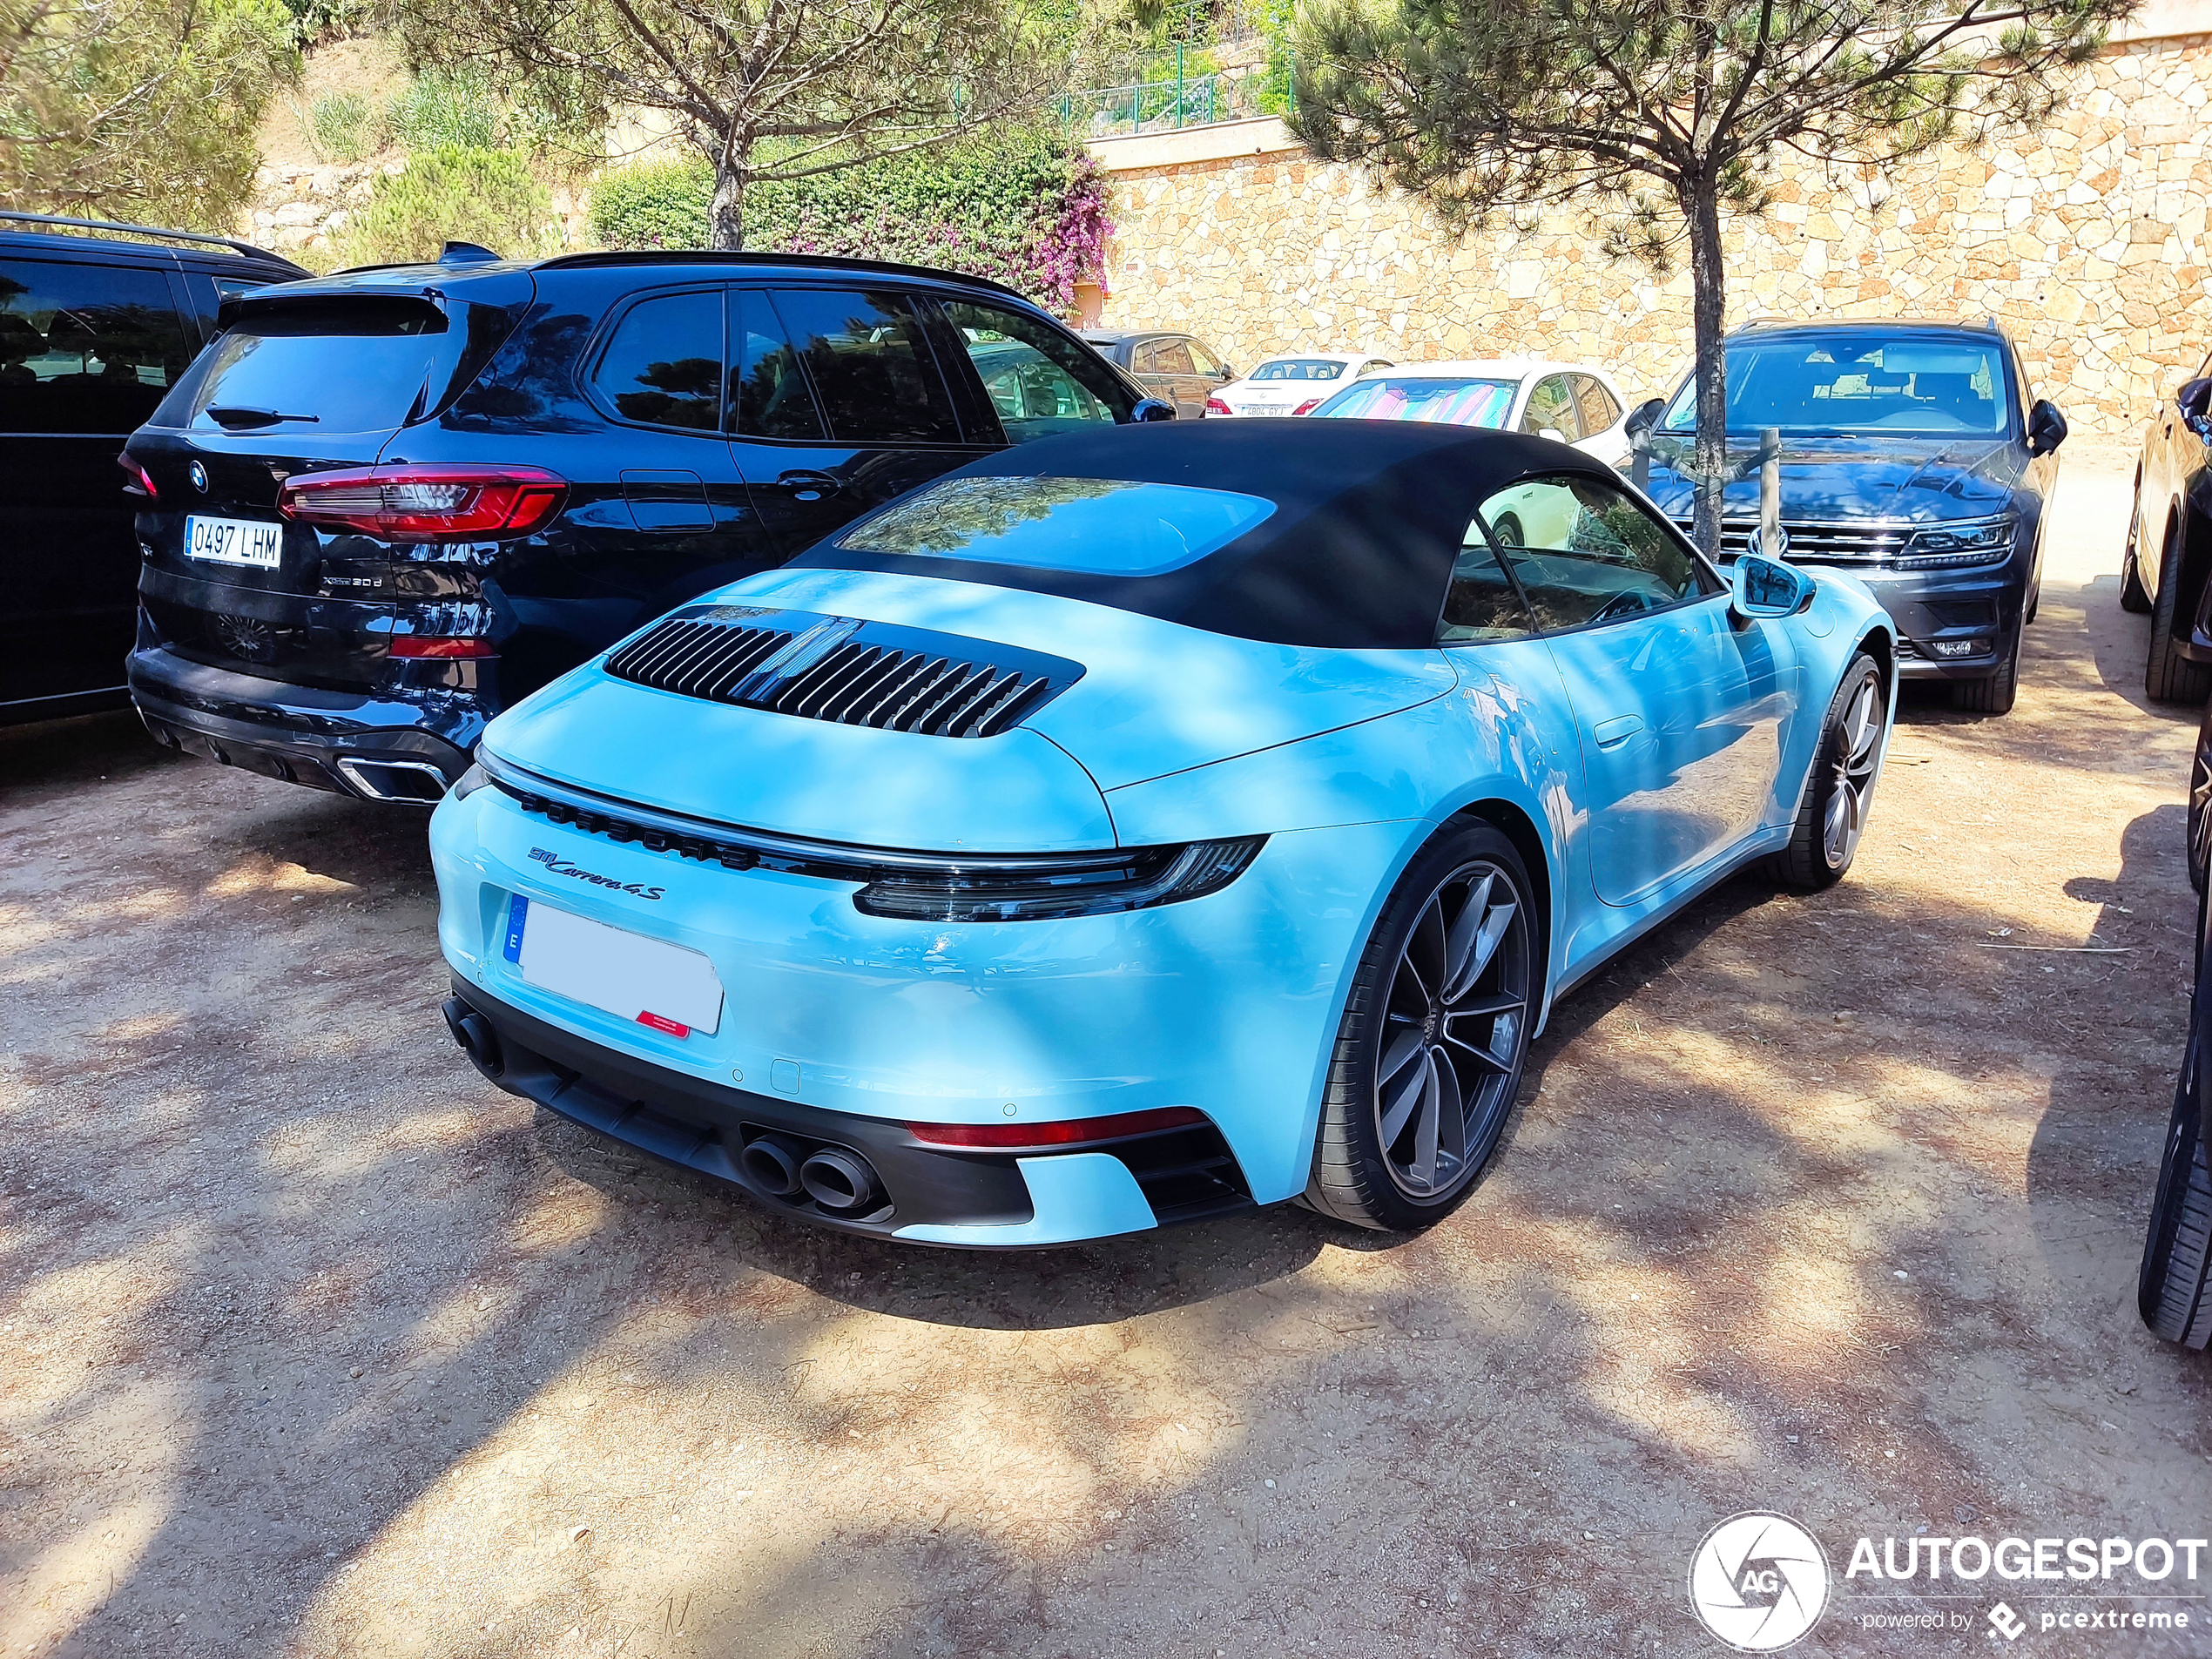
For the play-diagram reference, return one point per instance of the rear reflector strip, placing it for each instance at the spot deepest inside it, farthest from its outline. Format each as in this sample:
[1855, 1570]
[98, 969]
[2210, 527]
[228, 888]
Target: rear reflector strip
[1073, 1131]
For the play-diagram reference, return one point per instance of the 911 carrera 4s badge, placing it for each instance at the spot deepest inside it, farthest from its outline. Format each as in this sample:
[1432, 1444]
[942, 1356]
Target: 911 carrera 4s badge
[556, 865]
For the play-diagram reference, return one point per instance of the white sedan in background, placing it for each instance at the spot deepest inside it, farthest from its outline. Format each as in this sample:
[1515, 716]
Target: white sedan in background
[1572, 402]
[1293, 383]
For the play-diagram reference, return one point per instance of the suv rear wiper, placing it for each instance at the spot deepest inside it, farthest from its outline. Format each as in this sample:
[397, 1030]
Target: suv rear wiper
[231, 418]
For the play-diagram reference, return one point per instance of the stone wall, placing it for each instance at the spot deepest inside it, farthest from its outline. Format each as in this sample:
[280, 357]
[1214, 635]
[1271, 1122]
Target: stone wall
[2086, 241]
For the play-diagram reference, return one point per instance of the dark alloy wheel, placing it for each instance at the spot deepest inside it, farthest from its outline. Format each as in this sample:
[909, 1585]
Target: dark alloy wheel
[2169, 676]
[1831, 818]
[2199, 807]
[1430, 1050]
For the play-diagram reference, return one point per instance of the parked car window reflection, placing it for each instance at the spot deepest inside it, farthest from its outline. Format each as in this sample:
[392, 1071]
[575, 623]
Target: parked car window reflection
[1550, 408]
[1481, 604]
[1585, 552]
[1172, 357]
[873, 372]
[1038, 383]
[84, 347]
[1852, 382]
[767, 385]
[664, 365]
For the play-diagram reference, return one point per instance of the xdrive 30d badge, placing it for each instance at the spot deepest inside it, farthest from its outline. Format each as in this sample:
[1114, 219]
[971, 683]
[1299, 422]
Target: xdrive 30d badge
[1135, 827]
[385, 504]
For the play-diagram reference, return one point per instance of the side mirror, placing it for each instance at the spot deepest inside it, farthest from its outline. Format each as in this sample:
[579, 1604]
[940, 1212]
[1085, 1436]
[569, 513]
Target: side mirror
[2195, 399]
[1553, 433]
[1152, 408]
[1224, 374]
[1643, 418]
[2047, 427]
[1766, 588]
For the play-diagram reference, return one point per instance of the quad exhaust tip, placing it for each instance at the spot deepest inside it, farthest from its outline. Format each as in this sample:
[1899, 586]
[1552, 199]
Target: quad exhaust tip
[477, 1040]
[840, 1181]
[773, 1163]
[410, 782]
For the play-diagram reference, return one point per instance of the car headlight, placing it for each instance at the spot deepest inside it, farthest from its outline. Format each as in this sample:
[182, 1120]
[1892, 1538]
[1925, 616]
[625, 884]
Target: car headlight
[468, 782]
[1081, 884]
[1966, 544]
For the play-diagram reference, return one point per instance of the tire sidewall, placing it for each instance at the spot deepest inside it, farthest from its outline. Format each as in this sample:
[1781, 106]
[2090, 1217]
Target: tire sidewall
[1396, 1209]
[1831, 752]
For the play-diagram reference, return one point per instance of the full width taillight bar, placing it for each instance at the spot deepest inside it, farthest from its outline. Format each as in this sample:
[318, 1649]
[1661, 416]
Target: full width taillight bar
[402, 502]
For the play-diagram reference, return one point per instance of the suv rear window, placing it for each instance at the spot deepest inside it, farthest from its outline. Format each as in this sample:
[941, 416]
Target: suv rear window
[358, 365]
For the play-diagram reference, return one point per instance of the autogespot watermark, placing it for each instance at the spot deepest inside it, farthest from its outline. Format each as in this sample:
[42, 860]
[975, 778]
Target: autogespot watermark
[1760, 1582]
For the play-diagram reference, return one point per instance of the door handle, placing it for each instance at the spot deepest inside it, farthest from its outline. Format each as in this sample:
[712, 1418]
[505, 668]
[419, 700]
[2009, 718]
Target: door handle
[1611, 734]
[806, 484]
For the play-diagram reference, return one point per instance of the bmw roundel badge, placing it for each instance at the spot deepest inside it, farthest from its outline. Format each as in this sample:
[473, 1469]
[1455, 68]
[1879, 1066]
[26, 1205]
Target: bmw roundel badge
[198, 476]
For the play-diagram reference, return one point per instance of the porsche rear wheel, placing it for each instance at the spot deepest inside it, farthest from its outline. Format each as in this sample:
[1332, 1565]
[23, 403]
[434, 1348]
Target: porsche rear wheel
[1430, 1048]
[1832, 816]
[2168, 677]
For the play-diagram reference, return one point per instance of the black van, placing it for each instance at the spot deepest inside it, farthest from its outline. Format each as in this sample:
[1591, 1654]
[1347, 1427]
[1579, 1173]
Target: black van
[391, 502]
[93, 332]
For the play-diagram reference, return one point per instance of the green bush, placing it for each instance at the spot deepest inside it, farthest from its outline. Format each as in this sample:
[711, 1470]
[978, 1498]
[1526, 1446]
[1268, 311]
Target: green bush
[1025, 208]
[454, 194]
[345, 126]
[440, 111]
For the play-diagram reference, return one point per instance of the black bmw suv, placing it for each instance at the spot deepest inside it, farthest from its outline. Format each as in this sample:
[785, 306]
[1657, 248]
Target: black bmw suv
[1914, 454]
[388, 504]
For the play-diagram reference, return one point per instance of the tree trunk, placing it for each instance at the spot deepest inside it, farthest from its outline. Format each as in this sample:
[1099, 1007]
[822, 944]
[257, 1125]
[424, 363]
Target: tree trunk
[1708, 315]
[726, 213]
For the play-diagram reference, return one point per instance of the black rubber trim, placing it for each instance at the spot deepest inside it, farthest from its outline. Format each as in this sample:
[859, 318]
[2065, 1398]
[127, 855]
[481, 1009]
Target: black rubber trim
[704, 1127]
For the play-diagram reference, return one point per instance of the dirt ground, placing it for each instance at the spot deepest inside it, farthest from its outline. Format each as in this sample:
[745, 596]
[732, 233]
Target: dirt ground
[311, 1343]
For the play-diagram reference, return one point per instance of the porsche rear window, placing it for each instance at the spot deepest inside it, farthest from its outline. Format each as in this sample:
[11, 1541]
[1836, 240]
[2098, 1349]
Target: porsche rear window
[1094, 526]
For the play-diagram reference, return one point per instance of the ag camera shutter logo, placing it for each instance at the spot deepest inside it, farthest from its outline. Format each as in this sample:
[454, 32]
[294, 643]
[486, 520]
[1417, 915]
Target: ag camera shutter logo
[1758, 1581]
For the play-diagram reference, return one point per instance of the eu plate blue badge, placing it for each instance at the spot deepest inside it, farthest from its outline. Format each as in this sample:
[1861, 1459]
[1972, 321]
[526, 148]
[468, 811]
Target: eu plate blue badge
[518, 910]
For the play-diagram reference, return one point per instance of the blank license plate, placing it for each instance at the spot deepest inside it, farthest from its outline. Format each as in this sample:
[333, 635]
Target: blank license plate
[235, 541]
[657, 984]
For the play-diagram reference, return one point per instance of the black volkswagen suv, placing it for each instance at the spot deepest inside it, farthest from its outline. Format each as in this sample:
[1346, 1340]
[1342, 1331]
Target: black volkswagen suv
[388, 504]
[1915, 456]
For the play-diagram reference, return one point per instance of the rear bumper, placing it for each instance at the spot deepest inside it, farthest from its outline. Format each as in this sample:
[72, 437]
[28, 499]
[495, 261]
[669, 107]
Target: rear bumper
[929, 1196]
[1935, 608]
[367, 745]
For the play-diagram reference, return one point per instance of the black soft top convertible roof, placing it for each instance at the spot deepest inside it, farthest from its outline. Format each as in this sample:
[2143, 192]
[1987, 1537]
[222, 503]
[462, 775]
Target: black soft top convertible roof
[1369, 517]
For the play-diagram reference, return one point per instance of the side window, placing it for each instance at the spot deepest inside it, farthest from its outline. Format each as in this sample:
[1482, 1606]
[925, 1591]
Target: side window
[768, 392]
[1481, 602]
[1549, 405]
[1203, 360]
[86, 347]
[1376, 367]
[870, 363]
[1598, 409]
[1585, 552]
[1173, 357]
[1144, 357]
[1038, 380]
[663, 366]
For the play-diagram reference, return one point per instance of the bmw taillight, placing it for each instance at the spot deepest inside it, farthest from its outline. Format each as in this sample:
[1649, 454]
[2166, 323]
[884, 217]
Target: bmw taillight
[136, 480]
[1215, 406]
[426, 504]
[1308, 406]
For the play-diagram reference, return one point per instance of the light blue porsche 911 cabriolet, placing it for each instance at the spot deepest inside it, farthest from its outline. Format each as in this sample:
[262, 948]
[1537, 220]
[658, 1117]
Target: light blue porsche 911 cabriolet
[1130, 827]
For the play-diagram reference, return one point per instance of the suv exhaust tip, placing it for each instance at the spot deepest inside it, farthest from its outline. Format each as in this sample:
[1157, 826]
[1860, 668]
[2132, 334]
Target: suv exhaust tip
[415, 783]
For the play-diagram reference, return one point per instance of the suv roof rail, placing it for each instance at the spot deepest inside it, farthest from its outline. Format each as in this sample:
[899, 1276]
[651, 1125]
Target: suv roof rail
[715, 256]
[229, 245]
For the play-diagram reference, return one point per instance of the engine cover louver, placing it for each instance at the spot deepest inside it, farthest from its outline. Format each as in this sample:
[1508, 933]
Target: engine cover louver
[844, 670]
